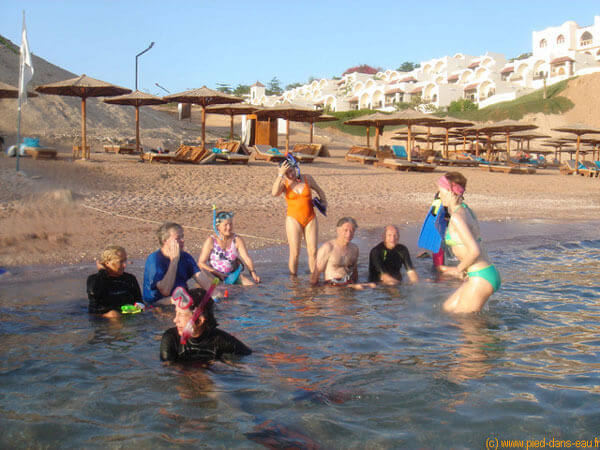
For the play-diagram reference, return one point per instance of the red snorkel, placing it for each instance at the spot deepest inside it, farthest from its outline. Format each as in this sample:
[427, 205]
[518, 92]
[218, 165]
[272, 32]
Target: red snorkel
[189, 328]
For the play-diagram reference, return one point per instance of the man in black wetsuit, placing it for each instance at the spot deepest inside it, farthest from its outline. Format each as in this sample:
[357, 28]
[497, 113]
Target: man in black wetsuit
[112, 287]
[387, 258]
[206, 343]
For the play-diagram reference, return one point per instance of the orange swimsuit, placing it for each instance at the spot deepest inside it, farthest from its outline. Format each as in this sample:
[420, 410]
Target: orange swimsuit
[300, 206]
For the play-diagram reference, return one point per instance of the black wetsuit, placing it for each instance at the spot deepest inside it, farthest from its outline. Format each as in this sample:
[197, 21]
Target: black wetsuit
[210, 345]
[382, 260]
[107, 293]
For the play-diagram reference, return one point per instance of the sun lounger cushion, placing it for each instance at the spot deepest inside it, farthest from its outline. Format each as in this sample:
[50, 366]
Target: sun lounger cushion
[274, 151]
[399, 151]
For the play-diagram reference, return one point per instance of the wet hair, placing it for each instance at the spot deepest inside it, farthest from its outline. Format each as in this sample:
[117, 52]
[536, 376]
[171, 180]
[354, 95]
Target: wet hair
[458, 178]
[197, 295]
[390, 226]
[110, 253]
[165, 230]
[349, 220]
[222, 216]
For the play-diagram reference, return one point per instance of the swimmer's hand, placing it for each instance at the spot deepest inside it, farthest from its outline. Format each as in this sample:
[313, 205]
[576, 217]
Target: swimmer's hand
[452, 271]
[284, 168]
[173, 249]
[100, 266]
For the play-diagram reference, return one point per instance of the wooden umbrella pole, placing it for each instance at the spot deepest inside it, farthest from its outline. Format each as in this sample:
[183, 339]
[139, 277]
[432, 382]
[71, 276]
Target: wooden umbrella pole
[311, 132]
[203, 127]
[447, 130]
[83, 128]
[408, 144]
[464, 143]
[137, 130]
[368, 132]
[231, 128]
[429, 146]
[287, 136]
[577, 156]
[507, 146]
[377, 133]
[477, 144]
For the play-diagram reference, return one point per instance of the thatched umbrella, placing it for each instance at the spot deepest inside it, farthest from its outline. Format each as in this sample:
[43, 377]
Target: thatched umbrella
[577, 129]
[136, 99]
[407, 117]
[558, 146]
[203, 97]
[507, 126]
[529, 136]
[321, 118]
[289, 112]
[231, 109]
[7, 91]
[84, 87]
[452, 123]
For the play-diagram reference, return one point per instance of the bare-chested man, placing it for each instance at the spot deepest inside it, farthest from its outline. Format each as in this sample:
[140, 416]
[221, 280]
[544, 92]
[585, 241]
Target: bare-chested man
[338, 258]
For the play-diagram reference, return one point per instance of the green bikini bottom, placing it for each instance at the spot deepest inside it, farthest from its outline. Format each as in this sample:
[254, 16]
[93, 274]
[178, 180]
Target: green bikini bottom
[490, 274]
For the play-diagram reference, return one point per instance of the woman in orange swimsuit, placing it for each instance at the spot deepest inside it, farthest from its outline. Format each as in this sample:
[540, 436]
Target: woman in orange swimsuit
[301, 219]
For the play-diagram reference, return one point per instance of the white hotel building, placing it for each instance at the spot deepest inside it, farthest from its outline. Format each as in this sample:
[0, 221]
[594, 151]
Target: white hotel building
[557, 54]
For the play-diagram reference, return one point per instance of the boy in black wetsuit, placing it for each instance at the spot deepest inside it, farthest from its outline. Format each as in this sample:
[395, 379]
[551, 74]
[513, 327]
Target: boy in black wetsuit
[387, 258]
[206, 343]
[112, 287]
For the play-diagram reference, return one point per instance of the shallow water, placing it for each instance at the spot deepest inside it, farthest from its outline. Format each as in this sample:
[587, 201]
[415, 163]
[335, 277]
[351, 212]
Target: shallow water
[335, 368]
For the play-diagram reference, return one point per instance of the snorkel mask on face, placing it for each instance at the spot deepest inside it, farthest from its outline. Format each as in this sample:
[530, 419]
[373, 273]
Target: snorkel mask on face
[183, 300]
[294, 164]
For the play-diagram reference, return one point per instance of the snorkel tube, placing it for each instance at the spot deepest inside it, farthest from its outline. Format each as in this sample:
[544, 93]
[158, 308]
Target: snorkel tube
[215, 220]
[189, 328]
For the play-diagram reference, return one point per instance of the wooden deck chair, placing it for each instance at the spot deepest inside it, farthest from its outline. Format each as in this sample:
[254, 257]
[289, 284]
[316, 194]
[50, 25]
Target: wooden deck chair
[589, 167]
[40, 152]
[311, 149]
[396, 164]
[363, 155]
[267, 153]
[568, 167]
[118, 149]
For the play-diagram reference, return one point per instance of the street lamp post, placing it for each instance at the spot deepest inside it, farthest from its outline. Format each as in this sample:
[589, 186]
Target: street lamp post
[136, 63]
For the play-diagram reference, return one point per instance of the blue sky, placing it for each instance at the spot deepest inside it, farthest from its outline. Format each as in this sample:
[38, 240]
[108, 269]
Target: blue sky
[205, 42]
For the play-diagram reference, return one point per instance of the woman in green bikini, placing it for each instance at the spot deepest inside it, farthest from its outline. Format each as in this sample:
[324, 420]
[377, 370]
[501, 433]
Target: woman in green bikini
[481, 279]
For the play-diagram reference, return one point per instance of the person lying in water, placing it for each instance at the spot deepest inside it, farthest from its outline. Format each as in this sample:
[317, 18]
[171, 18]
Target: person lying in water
[481, 279]
[206, 341]
[387, 259]
[112, 287]
[223, 254]
[338, 258]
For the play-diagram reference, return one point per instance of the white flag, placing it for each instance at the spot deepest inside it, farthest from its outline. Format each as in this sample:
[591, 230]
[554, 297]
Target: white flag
[25, 65]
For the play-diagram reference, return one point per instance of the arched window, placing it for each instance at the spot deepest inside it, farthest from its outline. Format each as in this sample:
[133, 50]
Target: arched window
[586, 38]
[560, 39]
[543, 43]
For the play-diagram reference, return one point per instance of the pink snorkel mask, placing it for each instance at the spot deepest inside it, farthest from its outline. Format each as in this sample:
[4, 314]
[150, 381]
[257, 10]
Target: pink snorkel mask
[455, 188]
[183, 299]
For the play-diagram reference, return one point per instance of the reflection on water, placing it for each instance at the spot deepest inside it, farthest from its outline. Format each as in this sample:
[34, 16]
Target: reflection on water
[332, 367]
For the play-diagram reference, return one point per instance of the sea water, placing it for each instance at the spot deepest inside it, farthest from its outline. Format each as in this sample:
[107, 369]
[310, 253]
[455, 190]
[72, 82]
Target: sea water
[331, 368]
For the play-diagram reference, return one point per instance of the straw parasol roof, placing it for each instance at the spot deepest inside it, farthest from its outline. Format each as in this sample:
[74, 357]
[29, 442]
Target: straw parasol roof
[407, 117]
[7, 91]
[288, 112]
[452, 123]
[136, 99]
[202, 97]
[507, 127]
[84, 87]
[577, 129]
[231, 109]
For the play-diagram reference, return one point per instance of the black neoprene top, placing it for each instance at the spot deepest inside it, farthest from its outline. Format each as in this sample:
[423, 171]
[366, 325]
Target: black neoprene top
[382, 260]
[212, 344]
[107, 293]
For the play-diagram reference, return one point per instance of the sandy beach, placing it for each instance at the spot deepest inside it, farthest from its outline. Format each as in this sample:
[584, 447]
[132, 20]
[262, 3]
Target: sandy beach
[63, 212]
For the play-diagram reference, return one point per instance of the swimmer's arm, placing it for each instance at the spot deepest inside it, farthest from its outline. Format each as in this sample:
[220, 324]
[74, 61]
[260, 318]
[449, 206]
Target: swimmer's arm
[467, 238]
[278, 184]
[313, 185]
[205, 254]
[165, 286]
[412, 276]
[245, 257]
[203, 279]
[410, 271]
[322, 258]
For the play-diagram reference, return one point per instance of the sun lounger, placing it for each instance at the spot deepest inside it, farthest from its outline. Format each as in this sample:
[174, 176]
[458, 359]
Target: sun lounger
[40, 152]
[267, 153]
[311, 149]
[117, 149]
[457, 162]
[230, 152]
[184, 154]
[588, 169]
[508, 169]
[363, 155]
[568, 167]
[77, 153]
[396, 164]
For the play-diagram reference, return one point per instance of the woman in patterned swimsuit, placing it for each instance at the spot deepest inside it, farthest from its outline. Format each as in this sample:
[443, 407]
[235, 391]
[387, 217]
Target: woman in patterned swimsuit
[221, 255]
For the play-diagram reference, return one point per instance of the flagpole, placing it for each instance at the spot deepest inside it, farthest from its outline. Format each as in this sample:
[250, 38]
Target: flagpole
[21, 68]
[24, 60]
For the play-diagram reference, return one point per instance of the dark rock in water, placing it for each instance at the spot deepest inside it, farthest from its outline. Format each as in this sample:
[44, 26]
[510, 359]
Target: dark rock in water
[276, 436]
